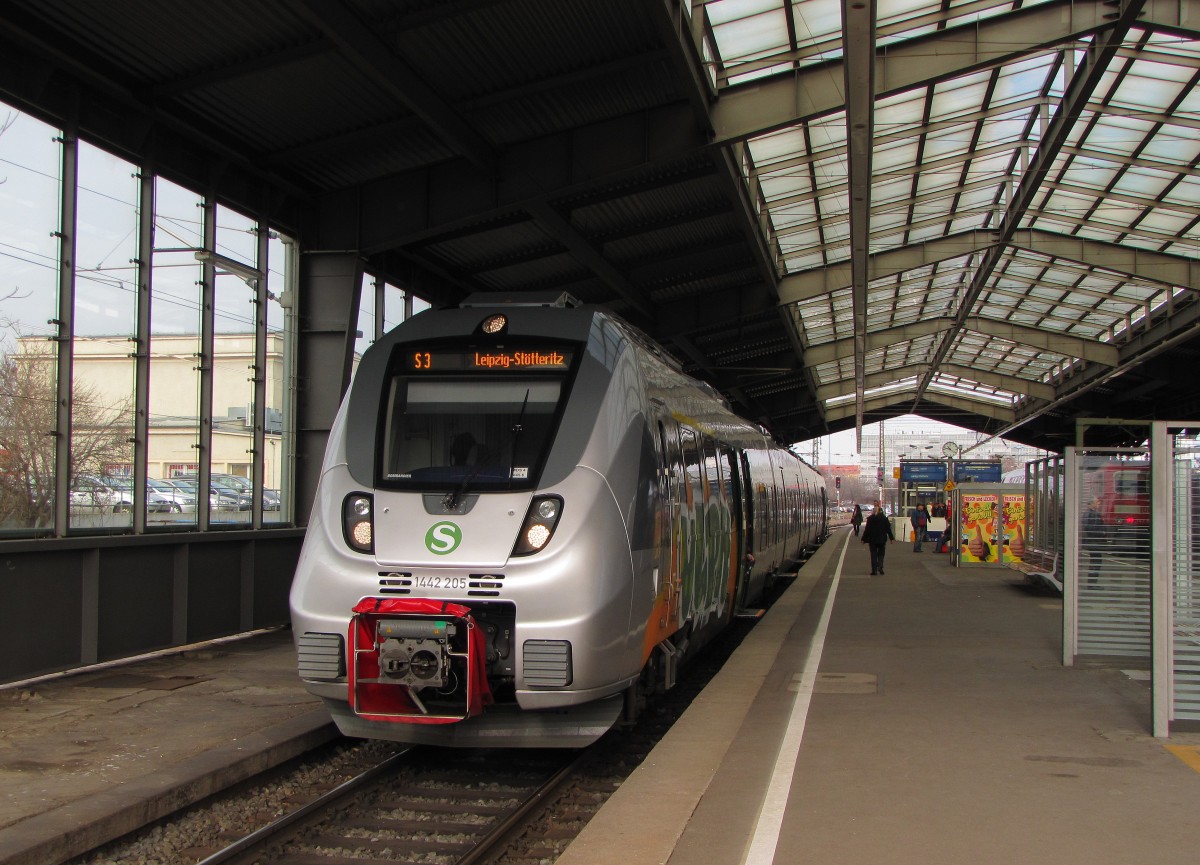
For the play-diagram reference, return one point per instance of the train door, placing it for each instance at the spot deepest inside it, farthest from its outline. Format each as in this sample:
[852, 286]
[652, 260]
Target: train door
[672, 488]
[738, 505]
[691, 535]
[747, 497]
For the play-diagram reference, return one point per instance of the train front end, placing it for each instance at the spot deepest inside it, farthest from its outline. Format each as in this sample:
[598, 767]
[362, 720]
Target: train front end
[463, 582]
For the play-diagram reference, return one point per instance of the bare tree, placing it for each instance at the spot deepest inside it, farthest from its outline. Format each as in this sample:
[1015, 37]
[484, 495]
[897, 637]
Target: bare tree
[28, 419]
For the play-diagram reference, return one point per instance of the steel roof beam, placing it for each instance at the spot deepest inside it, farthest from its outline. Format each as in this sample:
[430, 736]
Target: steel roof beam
[1046, 340]
[824, 280]
[858, 27]
[363, 47]
[1142, 264]
[1078, 93]
[840, 349]
[558, 227]
[1012, 384]
[900, 398]
[784, 100]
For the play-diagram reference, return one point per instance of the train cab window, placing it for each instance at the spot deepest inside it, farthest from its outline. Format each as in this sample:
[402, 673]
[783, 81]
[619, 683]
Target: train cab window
[491, 433]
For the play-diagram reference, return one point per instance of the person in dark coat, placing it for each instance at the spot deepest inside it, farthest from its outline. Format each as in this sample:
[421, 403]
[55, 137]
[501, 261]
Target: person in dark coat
[919, 517]
[877, 533]
[856, 519]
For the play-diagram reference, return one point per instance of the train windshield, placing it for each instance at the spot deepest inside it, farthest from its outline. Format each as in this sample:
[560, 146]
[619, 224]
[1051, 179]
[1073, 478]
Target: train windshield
[474, 433]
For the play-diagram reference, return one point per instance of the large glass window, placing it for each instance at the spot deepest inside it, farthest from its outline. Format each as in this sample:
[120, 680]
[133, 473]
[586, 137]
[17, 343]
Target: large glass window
[175, 320]
[112, 342]
[105, 344]
[30, 182]
[235, 303]
[278, 445]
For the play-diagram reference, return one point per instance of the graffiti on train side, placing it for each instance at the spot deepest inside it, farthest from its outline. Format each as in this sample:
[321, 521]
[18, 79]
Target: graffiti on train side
[705, 542]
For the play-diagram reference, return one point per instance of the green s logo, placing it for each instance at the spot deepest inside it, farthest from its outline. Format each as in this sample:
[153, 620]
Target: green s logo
[443, 538]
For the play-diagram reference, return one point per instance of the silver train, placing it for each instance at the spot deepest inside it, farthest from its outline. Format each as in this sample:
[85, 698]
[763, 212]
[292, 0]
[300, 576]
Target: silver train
[527, 518]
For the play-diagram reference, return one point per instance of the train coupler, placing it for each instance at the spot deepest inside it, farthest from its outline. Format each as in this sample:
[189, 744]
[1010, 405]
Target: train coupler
[416, 661]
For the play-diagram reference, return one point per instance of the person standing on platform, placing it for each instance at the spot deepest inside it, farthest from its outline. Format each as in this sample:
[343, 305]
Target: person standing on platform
[919, 517]
[877, 533]
[856, 519]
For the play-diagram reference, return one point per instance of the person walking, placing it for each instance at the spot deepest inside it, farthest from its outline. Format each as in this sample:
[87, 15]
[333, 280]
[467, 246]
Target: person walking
[919, 517]
[877, 532]
[856, 519]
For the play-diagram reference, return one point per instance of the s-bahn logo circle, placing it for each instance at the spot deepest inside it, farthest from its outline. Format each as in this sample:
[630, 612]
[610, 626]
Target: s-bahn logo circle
[443, 538]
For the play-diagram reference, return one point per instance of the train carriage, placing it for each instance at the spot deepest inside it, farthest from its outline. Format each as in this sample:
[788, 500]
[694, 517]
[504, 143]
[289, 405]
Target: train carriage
[527, 517]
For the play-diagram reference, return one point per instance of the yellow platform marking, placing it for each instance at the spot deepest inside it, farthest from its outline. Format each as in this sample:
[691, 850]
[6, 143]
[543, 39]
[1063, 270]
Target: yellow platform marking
[1189, 754]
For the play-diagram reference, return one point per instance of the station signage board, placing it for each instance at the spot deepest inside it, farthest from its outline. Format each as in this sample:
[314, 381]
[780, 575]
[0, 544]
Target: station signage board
[978, 471]
[924, 471]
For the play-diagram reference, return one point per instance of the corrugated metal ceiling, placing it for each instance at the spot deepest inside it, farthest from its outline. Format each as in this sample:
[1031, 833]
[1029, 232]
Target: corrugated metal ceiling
[1026, 207]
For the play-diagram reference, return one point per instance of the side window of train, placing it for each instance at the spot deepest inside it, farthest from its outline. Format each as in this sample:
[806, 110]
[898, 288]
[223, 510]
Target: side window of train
[691, 464]
[712, 470]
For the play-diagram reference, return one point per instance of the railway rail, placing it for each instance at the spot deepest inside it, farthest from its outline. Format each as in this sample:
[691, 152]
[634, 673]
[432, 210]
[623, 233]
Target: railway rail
[422, 806]
[512, 807]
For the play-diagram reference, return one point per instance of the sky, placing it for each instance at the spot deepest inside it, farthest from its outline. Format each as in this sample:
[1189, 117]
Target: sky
[841, 448]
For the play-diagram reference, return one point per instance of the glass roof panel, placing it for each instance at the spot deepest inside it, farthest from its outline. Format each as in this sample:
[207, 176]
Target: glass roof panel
[947, 159]
[750, 30]
[817, 20]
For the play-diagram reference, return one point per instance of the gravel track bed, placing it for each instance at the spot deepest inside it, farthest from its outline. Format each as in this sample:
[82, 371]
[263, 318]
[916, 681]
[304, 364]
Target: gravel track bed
[209, 826]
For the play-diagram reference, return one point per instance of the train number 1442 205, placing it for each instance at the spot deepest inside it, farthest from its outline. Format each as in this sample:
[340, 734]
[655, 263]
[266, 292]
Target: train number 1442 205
[435, 582]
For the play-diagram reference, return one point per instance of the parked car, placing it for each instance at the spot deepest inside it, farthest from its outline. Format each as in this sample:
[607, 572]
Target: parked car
[156, 502]
[218, 499]
[242, 488]
[186, 500]
[89, 493]
[115, 494]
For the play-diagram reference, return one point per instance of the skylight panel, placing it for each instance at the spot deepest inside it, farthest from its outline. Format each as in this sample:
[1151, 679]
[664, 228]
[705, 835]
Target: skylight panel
[1151, 85]
[805, 260]
[776, 186]
[784, 144]
[816, 20]
[960, 95]
[1174, 144]
[900, 111]
[753, 35]
[1166, 222]
[1146, 182]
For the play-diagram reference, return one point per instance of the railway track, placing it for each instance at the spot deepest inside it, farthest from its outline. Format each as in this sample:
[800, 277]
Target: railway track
[419, 806]
[360, 802]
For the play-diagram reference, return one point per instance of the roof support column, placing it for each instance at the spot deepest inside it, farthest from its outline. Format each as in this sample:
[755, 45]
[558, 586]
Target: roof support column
[328, 318]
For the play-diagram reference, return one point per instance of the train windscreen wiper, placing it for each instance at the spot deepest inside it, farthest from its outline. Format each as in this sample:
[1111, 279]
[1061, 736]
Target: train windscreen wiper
[516, 436]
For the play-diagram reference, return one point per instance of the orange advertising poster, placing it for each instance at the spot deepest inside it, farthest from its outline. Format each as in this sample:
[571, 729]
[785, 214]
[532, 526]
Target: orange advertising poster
[977, 520]
[1014, 527]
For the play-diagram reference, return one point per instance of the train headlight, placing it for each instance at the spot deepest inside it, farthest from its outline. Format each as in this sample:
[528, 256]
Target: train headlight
[358, 522]
[540, 520]
[494, 324]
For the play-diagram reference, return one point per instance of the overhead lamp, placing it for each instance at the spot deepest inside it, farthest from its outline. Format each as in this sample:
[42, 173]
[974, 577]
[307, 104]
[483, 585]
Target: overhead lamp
[247, 274]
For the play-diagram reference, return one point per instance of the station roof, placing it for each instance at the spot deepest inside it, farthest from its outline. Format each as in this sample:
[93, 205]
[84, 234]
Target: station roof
[835, 212]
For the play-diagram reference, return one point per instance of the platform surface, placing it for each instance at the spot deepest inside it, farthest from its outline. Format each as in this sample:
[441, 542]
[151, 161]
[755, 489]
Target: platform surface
[88, 757]
[941, 726]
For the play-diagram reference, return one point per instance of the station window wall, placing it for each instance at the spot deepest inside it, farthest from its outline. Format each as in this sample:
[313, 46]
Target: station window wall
[158, 385]
[381, 306]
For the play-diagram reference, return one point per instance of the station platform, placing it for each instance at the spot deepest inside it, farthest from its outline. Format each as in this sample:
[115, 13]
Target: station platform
[921, 716]
[89, 756]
